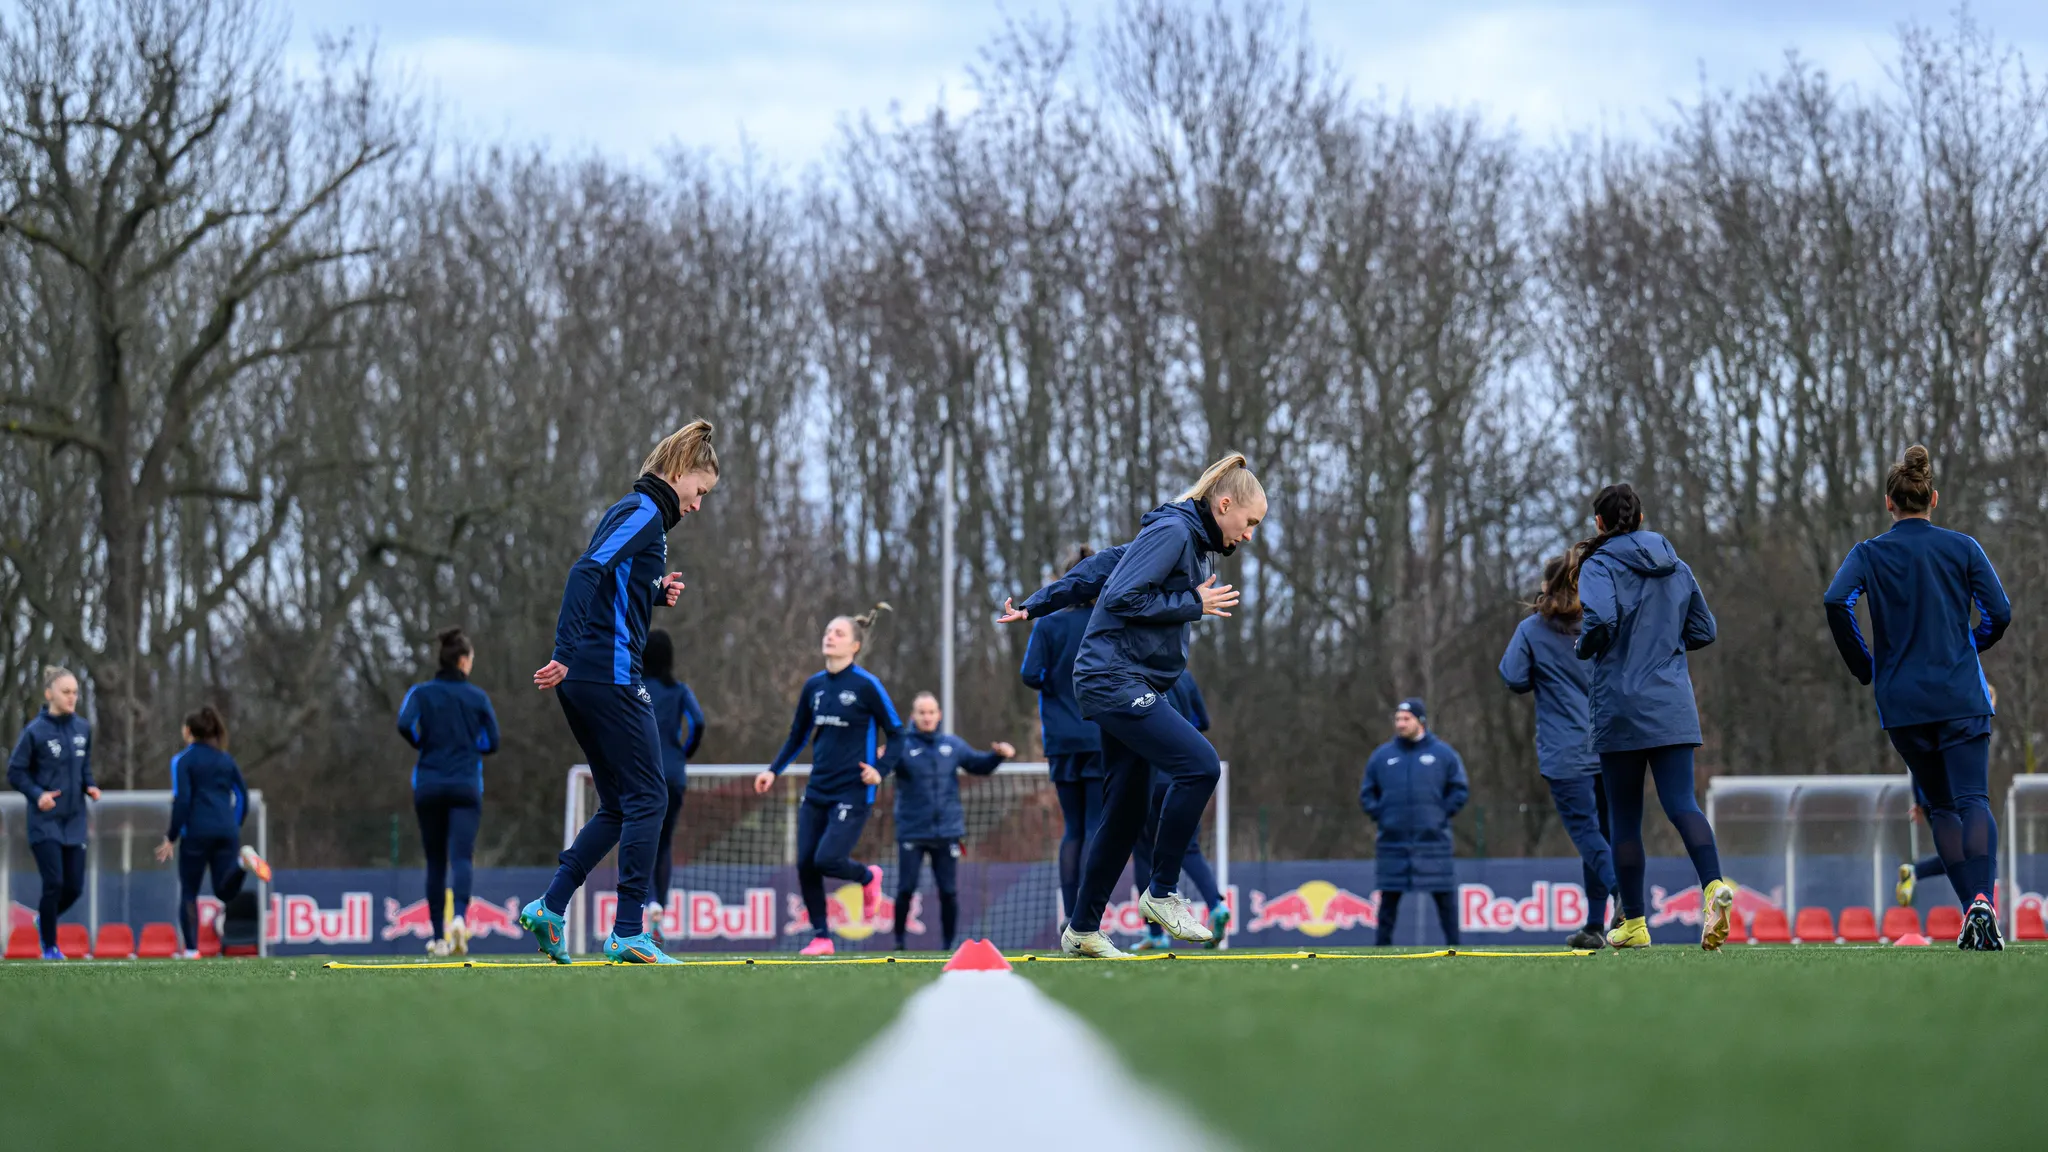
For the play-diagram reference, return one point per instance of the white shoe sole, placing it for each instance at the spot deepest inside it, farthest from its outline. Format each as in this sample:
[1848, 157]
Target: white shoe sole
[1161, 912]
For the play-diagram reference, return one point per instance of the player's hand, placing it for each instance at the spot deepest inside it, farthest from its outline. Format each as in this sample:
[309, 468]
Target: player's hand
[1003, 749]
[1011, 613]
[554, 673]
[868, 775]
[92, 793]
[164, 852]
[1216, 597]
[671, 588]
[764, 781]
[47, 801]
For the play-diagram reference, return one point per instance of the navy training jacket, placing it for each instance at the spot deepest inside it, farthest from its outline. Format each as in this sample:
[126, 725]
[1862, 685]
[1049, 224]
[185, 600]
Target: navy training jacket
[1186, 698]
[1412, 788]
[451, 722]
[1541, 658]
[1136, 641]
[845, 715]
[1048, 669]
[208, 797]
[602, 628]
[681, 724]
[54, 754]
[1921, 581]
[1644, 612]
[928, 784]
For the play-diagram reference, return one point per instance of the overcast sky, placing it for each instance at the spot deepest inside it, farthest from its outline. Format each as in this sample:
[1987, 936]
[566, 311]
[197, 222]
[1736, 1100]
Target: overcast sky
[630, 77]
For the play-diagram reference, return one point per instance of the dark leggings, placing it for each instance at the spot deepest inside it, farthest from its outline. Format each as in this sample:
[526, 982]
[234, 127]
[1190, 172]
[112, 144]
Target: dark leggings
[1581, 803]
[448, 833]
[1623, 775]
[1956, 782]
[63, 870]
[1194, 865]
[1081, 808]
[196, 855]
[1446, 916]
[945, 858]
[1136, 742]
[665, 848]
[826, 835]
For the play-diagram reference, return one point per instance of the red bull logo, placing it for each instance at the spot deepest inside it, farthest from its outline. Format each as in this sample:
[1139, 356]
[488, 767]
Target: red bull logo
[1317, 908]
[1683, 906]
[1549, 907]
[301, 920]
[843, 918]
[482, 918]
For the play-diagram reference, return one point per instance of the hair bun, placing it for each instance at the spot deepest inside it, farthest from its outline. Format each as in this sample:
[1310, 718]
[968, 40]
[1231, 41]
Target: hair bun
[1916, 460]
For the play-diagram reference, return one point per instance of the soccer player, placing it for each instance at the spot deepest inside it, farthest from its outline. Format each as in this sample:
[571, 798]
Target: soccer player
[209, 801]
[1540, 659]
[1413, 785]
[600, 637]
[1643, 611]
[681, 724]
[1134, 648]
[450, 721]
[52, 767]
[845, 714]
[1073, 746]
[1186, 698]
[929, 820]
[1923, 585]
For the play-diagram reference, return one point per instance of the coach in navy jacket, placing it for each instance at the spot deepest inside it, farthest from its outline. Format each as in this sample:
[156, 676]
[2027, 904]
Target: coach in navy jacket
[1412, 788]
[927, 790]
[1641, 686]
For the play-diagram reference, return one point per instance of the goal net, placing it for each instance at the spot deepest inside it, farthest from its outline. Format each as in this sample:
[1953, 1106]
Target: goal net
[735, 886]
[1818, 841]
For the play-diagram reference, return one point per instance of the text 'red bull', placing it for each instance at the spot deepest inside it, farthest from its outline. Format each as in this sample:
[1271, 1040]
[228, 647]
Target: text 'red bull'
[301, 920]
[701, 915]
[1549, 907]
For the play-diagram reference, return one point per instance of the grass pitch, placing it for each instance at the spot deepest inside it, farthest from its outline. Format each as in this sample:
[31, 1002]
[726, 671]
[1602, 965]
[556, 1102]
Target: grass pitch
[1757, 1048]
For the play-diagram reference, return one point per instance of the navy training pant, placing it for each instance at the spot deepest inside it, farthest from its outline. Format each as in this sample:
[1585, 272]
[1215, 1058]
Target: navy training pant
[826, 834]
[1622, 774]
[1956, 783]
[222, 855]
[1135, 743]
[1390, 913]
[614, 725]
[62, 867]
[1081, 813]
[664, 845]
[1581, 803]
[945, 858]
[1194, 864]
[448, 824]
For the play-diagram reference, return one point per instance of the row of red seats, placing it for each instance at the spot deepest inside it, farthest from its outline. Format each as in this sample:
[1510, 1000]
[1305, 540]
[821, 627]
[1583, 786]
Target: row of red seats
[1860, 926]
[116, 942]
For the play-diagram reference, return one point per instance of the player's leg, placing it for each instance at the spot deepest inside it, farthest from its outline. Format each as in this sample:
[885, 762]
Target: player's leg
[811, 819]
[643, 801]
[1578, 803]
[1174, 749]
[1447, 915]
[1944, 822]
[1155, 937]
[665, 851]
[1671, 767]
[1126, 790]
[945, 856]
[1621, 775]
[835, 856]
[464, 817]
[1390, 915]
[191, 870]
[1968, 767]
[909, 866]
[1073, 796]
[545, 916]
[432, 813]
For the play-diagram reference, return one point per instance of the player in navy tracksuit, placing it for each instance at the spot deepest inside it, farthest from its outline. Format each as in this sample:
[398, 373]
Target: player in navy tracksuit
[1923, 585]
[52, 767]
[1186, 698]
[209, 801]
[929, 820]
[1540, 659]
[596, 673]
[450, 721]
[845, 714]
[1643, 611]
[1134, 648]
[681, 724]
[1413, 785]
[1073, 746]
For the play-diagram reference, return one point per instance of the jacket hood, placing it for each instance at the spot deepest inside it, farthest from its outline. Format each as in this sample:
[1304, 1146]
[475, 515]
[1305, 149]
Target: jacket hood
[1200, 524]
[1644, 553]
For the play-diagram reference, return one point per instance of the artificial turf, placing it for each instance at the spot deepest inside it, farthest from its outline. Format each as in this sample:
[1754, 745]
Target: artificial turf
[1756, 1047]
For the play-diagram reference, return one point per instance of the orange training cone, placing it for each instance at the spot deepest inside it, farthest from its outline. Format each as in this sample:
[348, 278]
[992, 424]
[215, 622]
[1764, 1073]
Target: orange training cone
[1910, 940]
[978, 956]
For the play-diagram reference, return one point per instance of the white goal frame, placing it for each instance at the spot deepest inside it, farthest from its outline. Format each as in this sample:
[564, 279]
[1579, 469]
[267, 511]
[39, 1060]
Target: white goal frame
[1882, 869]
[2009, 867]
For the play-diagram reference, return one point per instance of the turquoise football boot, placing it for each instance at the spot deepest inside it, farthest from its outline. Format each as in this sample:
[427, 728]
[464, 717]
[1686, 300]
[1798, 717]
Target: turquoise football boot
[550, 930]
[639, 949]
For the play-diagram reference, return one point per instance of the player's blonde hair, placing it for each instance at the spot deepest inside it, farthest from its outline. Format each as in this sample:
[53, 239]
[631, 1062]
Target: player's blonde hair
[1231, 477]
[684, 451]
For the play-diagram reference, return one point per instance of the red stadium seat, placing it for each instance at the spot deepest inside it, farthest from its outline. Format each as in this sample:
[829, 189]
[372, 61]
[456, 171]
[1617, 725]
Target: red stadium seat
[209, 940]
[1859, 925]
[116, 942]
[1769, 927]
[73, 941]
[24, 944]
[159, 941]
[1814, 926]
[1738, 931]
[2030, 926]
[1944, 922]
[1900, 922]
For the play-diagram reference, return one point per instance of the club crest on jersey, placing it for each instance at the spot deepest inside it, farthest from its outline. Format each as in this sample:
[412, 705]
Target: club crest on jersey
[847, 698]
[1429, 758]
[640, 690]
[56, 747]
[1146, 701]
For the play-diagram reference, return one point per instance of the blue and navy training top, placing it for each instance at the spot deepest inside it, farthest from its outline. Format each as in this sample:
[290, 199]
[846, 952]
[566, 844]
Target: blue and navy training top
[208, 798]
[845, 715]
[451, 722]
[1048, 669]
[1540, 659]
[680, 723]
[54, 754]
[602, 628]
[1136, 644]
[1922, 583]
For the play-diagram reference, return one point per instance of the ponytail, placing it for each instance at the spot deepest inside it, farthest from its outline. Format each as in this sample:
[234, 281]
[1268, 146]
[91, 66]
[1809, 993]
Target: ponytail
[1910, 483]
[1231, 477]
[454, 646]
[685, 451]
[861, 624]
[1621, 512]
[207, 727]
[1558, 601]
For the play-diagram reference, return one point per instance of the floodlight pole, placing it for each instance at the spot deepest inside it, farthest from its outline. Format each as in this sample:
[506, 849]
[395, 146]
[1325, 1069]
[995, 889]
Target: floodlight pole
[948, 513]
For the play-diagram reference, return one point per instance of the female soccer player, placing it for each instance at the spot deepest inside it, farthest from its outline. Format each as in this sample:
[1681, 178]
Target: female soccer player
[1643, 611]
[844, 712]
[450, 721]
[52, 766]
[209, 801]
[929, 820]
[1186, 698]
[1134, 649]
[1540, 659]
[599, 639]
[1073, 746]
[1922, 583]
[681, 724]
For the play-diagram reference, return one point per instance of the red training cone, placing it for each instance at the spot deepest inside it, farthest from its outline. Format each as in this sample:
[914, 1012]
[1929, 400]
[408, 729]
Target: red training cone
[978, 956]
[1910, 940]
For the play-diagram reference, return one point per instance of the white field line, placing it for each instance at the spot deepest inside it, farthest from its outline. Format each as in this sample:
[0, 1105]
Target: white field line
[985, 1061]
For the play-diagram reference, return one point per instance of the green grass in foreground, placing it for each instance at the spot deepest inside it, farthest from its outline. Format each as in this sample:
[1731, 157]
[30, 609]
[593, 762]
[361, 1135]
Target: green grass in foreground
[1815, 1047]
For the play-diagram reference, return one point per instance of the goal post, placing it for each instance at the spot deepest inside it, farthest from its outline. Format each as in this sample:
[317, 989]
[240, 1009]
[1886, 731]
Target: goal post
[735, 886]
[2023, 848]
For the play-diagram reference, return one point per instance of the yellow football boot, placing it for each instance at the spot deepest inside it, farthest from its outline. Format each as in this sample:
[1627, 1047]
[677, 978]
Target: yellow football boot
[1633, 933]
[1715, 904]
